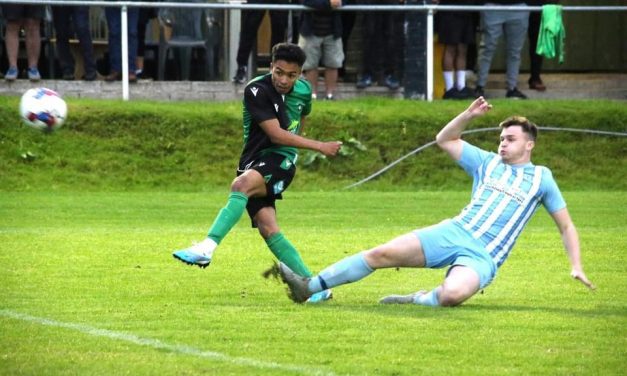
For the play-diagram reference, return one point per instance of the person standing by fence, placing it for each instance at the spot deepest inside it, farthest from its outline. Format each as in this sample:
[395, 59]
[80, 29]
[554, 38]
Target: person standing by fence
[513, 26]
[114, 23]
[70, 20]
[29, 17]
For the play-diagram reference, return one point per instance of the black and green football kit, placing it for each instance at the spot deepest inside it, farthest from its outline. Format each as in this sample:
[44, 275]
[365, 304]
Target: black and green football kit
[276, 163]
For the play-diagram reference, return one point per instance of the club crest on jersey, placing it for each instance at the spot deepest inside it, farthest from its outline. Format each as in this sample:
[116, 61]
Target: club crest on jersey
[254, 90]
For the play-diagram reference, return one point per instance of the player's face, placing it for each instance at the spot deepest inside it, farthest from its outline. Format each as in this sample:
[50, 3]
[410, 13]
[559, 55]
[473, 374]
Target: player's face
[515, 146]
[284, 75]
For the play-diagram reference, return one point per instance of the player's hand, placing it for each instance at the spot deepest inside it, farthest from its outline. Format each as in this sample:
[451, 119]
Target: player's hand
[581, 276]
[330, 148]
[479, 107]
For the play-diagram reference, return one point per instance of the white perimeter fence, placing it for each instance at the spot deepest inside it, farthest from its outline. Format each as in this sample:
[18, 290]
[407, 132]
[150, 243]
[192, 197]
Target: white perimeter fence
[239, 5]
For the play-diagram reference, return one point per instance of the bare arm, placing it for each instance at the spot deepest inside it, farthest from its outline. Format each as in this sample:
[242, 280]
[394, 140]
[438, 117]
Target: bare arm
[280, 136]
[570, 238]
[449, 138]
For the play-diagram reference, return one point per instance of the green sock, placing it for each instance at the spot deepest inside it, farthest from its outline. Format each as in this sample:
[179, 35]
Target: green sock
[228, 216]
[287, 254]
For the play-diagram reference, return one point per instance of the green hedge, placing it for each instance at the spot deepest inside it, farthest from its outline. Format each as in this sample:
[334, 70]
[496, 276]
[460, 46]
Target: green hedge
[112, 145]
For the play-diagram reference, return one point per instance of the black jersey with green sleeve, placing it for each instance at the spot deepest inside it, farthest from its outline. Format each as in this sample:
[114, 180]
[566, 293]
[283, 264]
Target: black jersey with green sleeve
[262, 102]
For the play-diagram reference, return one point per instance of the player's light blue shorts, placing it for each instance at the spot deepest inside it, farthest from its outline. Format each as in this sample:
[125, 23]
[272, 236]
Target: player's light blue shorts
[447, 244]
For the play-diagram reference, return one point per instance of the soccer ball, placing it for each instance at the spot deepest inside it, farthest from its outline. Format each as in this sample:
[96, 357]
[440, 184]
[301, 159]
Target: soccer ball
[43, 109]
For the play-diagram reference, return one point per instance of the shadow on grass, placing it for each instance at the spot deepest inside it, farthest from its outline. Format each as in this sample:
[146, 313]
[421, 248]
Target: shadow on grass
[464, 311]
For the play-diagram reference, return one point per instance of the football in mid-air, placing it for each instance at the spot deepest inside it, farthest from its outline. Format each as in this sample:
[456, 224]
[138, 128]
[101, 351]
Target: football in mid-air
[43, 109]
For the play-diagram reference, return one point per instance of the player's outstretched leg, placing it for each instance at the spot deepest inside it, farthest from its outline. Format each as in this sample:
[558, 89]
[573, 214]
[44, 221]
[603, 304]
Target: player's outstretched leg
[422, 297]
[401, 299]
[199, 254]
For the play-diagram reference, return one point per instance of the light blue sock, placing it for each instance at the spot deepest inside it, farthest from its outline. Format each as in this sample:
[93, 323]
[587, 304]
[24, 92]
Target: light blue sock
[428, 299]
[347, 270]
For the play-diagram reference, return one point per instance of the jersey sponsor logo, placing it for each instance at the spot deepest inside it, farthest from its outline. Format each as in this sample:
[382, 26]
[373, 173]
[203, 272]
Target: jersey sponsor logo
[513, 192]
[254, 90]
[278, 187]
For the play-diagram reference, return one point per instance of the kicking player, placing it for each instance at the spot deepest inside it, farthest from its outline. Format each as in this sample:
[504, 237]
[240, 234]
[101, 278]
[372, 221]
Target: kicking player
[507, 189]
[275, 107]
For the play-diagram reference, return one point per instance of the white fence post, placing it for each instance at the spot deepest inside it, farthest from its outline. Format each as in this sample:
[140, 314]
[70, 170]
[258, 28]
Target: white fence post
[124, 16]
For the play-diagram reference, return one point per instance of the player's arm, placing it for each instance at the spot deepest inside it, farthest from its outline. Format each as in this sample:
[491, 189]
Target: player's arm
[570, 238]
[449, 138]
[280, 136]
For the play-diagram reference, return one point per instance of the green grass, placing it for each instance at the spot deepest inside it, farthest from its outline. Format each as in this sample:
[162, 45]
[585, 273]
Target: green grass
[98, 261]
[112, 145]
[89, 216]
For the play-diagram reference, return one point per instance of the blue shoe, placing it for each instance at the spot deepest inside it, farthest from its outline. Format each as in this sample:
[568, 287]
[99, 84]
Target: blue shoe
[198, 254]
[33, 74]
[11, 74]
[392, 82]
[320, 297]
[364, 82]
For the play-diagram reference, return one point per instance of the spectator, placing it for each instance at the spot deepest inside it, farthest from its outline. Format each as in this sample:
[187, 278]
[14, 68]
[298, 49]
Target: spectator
[456, 31]
[70, 20]
[535, 60]
[250, 21]
[348, 22]
[512, 24]
[29, 17]
[321, 39]
[114, 23]
[382, 46]
[144, 17]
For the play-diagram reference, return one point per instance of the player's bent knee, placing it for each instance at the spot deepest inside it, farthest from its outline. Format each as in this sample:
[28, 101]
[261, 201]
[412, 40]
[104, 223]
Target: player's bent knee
[239, 184]
[378, 258]
[452, 297]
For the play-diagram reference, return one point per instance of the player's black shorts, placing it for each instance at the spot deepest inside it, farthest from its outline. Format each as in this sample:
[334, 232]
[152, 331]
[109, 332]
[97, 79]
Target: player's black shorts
[16, 12]
[278, 172]
[456, 27]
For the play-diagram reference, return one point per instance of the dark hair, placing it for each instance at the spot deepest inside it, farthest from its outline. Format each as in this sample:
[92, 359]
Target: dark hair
[528, 127]
[288, 52]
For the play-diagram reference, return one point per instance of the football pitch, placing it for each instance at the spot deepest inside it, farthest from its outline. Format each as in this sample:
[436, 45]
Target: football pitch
[88, 286]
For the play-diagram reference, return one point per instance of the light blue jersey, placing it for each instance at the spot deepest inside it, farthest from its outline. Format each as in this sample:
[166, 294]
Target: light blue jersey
[504, 197]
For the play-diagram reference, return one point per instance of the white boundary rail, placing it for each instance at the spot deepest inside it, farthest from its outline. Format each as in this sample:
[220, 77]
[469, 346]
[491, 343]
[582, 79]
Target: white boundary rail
[240, 4]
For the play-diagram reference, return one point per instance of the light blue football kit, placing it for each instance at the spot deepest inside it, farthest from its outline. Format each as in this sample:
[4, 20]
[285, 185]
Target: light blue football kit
[504, 198]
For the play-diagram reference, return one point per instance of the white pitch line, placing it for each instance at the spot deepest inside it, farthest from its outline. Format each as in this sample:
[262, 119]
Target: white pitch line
[155, 343]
